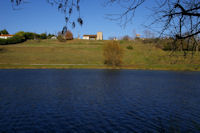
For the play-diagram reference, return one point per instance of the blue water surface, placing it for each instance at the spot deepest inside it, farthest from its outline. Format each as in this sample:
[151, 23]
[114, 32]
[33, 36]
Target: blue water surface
[99, 101]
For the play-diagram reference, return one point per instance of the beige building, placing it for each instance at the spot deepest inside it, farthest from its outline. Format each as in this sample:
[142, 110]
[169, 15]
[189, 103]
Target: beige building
[99, 36]
[90, 37]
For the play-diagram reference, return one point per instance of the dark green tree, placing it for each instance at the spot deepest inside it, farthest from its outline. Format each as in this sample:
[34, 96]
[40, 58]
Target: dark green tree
[4, 32]
[43, 36]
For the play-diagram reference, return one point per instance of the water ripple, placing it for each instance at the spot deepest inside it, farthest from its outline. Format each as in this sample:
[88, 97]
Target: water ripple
[99, 101]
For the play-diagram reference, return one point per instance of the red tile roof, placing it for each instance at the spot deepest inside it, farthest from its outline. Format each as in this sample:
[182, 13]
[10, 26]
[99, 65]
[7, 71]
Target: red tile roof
[91, 35]
[7, 35]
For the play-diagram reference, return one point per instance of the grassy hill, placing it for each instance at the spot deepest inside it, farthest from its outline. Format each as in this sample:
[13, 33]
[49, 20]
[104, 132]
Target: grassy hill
[89, 54]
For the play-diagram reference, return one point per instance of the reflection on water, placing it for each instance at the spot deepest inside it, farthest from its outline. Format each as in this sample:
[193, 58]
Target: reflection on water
[99, 101]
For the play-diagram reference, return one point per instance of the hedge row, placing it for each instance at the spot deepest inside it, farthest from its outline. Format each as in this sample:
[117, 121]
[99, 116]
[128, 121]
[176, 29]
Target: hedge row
[12, 40]
[23, 36]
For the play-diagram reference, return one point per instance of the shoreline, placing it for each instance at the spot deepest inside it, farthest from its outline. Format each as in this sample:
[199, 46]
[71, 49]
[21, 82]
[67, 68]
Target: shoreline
[99, 66]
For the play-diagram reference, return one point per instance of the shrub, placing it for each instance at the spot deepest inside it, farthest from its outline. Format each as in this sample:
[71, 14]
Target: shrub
[69, 35]
[43, 36]
[29, 35]
[113, 53]
[61, 38]
[126, 38]
[129, 47]
[13, 40]
[3, 41]
[21, 34]
[165, 44]
[151, 40]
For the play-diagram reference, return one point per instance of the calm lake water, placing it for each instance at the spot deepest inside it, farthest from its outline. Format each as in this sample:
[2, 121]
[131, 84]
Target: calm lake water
[99, 101]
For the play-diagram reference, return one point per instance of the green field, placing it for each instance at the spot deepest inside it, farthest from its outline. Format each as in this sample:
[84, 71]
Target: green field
[89, 54]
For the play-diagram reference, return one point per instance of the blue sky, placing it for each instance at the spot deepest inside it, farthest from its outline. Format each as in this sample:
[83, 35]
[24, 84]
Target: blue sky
[39, 16]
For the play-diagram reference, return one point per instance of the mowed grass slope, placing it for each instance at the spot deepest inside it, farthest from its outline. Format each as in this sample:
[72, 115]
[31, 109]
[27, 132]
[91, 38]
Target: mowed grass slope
[89, 54]
[52, 52]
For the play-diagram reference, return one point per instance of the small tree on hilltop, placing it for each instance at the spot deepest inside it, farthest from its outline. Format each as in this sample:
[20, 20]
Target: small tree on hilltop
[69, 35]
[4, 32]
[126, 38]
[113, 53]
[43, 36]
[61, 37]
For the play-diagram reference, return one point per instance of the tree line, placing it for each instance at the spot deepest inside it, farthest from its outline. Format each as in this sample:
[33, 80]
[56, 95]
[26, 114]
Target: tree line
[22, 36]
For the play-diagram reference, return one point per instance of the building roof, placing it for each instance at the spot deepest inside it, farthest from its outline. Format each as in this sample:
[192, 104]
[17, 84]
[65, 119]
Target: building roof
[93, 36]
[7, 35]
[137, 35]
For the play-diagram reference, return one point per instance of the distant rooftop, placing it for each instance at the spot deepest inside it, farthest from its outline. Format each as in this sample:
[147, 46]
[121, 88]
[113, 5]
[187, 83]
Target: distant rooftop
[91, 36]
[7, 35]
[137, 35]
